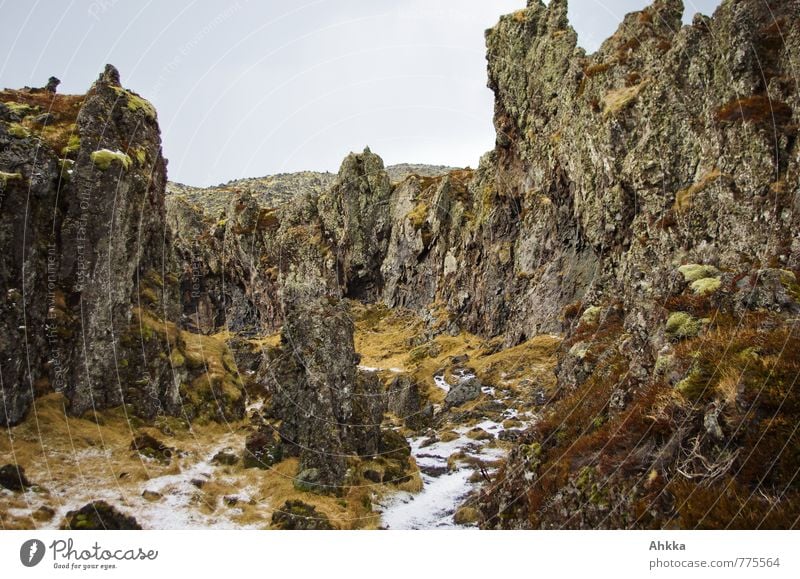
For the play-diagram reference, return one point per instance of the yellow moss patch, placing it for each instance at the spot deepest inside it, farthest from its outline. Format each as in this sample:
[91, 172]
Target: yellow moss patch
[681, 325]
[706, 286]
[6, 177]
[22, 109]
[18, 131]
[418, 215]
[133, 102]
[104, 157]
[694, 271]
[73, 145]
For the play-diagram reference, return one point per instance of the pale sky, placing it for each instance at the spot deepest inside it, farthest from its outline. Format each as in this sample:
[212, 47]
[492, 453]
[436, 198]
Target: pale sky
[251, 88]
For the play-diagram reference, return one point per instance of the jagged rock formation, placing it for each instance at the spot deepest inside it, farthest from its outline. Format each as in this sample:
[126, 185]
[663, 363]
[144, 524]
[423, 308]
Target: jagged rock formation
[229, 276]
[659, 151]
[85, 319]
[274, 190]
[328, 409]
[355, 218]
[641, 202]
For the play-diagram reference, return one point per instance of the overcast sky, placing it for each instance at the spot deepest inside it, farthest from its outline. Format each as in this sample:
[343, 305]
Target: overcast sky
[254, 87]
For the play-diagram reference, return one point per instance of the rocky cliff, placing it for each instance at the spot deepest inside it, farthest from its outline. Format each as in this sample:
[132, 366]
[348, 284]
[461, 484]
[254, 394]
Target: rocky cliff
[88, 280]
[630, 244]
[651, 210]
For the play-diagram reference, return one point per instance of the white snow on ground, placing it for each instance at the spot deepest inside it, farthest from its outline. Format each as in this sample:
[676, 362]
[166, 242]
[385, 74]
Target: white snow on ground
[433, 508]
[435, 505]
[180, 506]
[441, 383]
[372, 369]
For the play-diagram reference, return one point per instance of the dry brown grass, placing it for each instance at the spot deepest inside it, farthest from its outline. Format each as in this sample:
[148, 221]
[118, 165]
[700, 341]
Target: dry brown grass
[71, 458]
[617, 100]
[684, 197]
[63, 108]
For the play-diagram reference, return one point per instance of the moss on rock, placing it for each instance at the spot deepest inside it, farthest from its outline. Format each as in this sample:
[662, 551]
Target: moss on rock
[694, 272]
[104, 157]
[681, 325]
[706, 286]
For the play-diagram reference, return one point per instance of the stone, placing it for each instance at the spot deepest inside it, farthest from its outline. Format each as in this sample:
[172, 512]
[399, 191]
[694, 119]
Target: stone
[225, 457]
[308, 480]
[149, 446]
[393, 445]
[404, 400]
[262, 449]
[13, 478]
[299, 516]
[466, 390]
[99, 516]
[372, 476]
[52, 85]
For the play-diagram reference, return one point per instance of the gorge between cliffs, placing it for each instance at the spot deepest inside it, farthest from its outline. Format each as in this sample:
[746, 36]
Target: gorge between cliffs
[597, 327]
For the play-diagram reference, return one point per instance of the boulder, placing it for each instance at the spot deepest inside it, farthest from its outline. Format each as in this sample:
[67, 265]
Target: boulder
[99, 516]
[13, 477]
[149, 446]
[299, 516]
[262, 449]
[467, 389]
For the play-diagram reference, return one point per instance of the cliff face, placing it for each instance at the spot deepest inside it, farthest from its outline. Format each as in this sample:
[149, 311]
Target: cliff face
[84, 216]
[656, 187]
[88, 276]
[612, 170]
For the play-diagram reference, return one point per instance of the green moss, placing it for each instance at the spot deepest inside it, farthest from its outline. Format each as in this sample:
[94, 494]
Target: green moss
[140, 155]
[681, 325]
[694, 385]
[148, 295]
[153, 277]
[789, 281]
[591, 315]
[706, 286]
[134, 102]
[664, 363]
[103, 159]
[694, 272]
[73, 145]
[6, 177]
[18, 131]
[20, 109]
[418, 215]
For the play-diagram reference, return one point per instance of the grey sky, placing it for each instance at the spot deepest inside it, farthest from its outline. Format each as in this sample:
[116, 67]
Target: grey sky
[250, 88]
